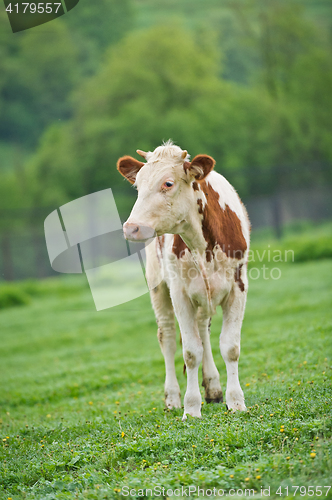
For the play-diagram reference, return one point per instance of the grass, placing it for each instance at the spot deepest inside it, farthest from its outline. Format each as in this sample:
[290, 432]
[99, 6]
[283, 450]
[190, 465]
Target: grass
[81, 396]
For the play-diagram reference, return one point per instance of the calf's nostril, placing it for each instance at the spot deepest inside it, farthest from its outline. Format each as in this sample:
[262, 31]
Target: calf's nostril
[137, 232]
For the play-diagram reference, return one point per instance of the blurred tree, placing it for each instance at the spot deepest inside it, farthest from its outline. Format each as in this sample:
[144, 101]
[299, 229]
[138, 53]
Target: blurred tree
[155, 85]
[40, 67]
[165, 83]
[105, 23]
[241, 57]
[11, 192]
[295, 71]
[127, 104]
[95, 26]
[40, 70]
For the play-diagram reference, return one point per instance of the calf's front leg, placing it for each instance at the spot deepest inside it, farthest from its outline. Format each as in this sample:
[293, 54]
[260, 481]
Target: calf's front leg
[163, 308]
[192, 352]
[233, 312]
[211, 380]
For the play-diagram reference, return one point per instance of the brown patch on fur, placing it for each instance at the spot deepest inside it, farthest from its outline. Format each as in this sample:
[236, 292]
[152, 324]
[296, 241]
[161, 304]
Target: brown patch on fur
[161, 241]
[195, 186]
[237, 277]
[189, 359]
[200, 206]
[179, 246]
[128, 167]
[221, 227]
[233, 353]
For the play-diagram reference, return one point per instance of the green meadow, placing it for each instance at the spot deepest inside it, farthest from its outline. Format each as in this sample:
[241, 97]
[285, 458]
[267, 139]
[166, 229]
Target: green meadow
[81, 397]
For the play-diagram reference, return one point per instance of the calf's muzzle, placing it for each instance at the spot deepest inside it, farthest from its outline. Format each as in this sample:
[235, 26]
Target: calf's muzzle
[138, 232]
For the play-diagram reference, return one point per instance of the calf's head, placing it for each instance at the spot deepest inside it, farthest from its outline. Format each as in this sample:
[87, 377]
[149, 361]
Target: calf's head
[165, 192]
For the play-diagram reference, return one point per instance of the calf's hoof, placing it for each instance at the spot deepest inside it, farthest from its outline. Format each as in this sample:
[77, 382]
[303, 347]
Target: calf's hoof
[172, 400]
[236, 406]
[192, 413]
[214, 400]
[235, 401]
[192, 405]
[214, 397]
[213, 392]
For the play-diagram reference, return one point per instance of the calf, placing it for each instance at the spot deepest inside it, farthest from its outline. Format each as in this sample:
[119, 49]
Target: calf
[196, 262]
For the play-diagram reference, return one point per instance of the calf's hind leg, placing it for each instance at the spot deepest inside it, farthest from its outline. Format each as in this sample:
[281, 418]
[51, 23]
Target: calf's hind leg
[163, 309]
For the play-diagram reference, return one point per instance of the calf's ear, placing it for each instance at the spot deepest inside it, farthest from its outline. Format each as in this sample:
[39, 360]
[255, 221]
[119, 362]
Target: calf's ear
[128, 167]
[199, 167]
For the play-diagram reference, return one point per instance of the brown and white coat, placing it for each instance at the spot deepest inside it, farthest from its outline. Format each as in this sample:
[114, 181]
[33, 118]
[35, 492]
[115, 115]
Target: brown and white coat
[196, 263]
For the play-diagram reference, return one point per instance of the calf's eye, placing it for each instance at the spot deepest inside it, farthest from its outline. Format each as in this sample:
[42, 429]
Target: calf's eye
[168, 184]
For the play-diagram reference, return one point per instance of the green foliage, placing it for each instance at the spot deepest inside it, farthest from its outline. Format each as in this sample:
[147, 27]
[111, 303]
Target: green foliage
[308, 249]
[21, 293]
[165, 82]
[13, 194]
[297, 72]
[301, 243]
[156, 84]
[100, 25]
[82, 397]
[147, 85]
[248, 83]
[59, 288]
[11, 295]
[40, 67]
[40, 70]
[10, 191]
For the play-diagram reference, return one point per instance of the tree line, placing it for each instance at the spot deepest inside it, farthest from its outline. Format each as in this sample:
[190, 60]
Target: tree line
[76, 100]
